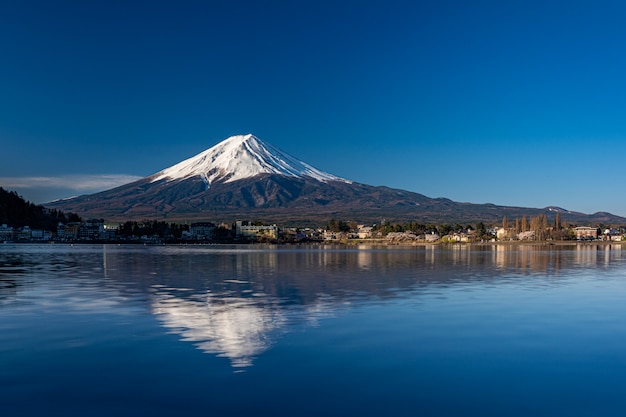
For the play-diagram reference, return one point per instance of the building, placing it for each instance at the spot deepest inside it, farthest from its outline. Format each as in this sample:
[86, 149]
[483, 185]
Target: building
[37, 234]
[503, 234]
[246, 231]
[91, 229]
[61, 231]
[431, 237]
[613, 235]
[6, 233]
[585, 233]
[71, 230]
[109, 233]
[23, 233]
[201, 231]
[364, 232]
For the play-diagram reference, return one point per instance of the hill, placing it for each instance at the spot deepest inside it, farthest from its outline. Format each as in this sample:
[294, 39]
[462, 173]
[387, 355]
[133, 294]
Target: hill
[17, 212]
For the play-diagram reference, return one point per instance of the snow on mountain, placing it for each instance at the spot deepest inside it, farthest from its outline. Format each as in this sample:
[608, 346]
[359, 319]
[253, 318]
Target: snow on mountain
[239, 157]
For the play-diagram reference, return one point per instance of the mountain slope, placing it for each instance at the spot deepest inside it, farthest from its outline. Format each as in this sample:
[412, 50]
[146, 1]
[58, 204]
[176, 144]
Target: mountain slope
[246, 178]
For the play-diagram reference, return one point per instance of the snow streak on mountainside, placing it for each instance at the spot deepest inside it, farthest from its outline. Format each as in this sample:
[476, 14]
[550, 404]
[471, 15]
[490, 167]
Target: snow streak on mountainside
[240, 157]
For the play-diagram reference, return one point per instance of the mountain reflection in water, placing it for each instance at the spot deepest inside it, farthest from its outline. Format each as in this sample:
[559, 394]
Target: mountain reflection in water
[237, 301]
[493, 330]
[237, 328]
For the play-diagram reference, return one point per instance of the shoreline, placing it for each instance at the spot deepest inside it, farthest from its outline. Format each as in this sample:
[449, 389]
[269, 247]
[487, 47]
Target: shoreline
[338, 244]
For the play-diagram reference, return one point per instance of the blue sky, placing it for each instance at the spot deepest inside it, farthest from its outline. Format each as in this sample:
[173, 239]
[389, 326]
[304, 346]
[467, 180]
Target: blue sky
[515, 103]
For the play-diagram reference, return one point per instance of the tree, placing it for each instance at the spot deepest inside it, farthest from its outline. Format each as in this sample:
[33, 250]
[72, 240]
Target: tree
[74, 218]
[481, 230]
[17, 212]
[338, 226]
[444, 229]
[543, 227]
[525, 226]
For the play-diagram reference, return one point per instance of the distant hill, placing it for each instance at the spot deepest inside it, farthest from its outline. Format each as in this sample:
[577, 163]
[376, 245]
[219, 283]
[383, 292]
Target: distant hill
[17, 212]
[243, 177]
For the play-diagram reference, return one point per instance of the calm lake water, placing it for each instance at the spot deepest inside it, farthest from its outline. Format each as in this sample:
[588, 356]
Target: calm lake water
[113, 330]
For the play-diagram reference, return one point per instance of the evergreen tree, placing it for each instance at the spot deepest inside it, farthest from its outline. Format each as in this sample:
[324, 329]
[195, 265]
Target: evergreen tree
[481, 230]
[17, 212]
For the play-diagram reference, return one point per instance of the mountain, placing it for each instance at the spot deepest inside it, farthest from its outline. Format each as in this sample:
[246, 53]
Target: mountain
[240, 157]
[246, 178]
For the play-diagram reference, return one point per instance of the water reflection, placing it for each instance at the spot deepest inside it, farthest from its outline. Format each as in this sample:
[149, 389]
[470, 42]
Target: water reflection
[236, 302]
[10, 267]
[251, 297]
[229, 326]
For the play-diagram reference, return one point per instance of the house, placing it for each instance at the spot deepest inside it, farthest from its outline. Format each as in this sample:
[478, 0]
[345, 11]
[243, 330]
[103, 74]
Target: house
[613, 235]
[364, 232]
[457, 237]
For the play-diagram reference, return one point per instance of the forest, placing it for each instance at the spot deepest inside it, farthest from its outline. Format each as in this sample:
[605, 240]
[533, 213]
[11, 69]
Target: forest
[16, 212]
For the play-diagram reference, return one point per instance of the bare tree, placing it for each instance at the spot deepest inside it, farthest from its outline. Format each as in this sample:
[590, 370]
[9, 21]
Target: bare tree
[525, 227]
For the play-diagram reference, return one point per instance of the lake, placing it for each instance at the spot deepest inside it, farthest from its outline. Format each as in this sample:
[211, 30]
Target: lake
[219, 330]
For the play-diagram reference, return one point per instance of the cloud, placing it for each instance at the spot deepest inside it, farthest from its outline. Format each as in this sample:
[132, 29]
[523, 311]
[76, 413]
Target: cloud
[44, 189]
[72, 182]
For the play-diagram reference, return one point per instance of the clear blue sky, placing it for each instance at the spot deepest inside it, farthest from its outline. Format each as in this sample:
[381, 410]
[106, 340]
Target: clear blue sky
[509, 102]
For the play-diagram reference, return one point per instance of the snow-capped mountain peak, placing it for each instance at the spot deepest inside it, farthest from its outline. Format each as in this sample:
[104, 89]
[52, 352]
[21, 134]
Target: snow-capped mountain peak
[239, 157]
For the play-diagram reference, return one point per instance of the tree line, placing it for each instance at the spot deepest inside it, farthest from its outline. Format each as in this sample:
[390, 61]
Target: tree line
[16, 212]
[152, 228]
[384, 228]
[540, 226]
